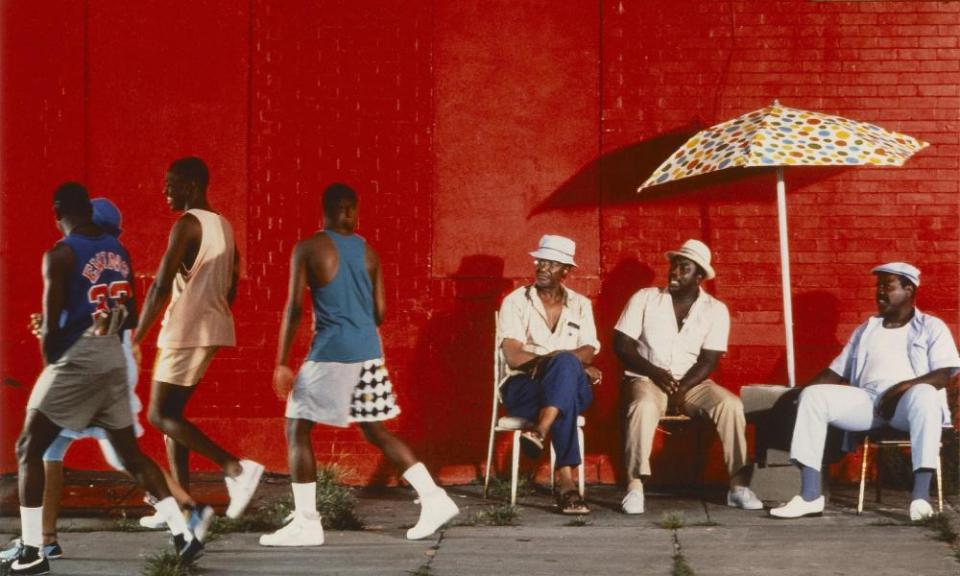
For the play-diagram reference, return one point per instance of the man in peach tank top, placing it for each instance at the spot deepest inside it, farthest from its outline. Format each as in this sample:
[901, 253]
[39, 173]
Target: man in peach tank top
[196, 285]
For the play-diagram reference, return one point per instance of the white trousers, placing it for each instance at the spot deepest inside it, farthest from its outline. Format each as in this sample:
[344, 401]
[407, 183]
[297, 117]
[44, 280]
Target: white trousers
[852, 409]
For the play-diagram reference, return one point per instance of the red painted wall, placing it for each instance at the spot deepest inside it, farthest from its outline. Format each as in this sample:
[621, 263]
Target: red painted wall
[470, 129]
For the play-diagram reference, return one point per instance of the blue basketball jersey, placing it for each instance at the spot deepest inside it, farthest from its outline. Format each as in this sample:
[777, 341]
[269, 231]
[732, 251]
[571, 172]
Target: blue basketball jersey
[97, 292]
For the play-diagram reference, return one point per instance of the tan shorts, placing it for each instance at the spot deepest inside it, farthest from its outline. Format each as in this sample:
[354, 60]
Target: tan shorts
[182, 366]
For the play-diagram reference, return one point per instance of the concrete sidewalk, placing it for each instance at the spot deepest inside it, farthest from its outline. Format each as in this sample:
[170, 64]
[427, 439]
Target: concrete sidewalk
[710, 538]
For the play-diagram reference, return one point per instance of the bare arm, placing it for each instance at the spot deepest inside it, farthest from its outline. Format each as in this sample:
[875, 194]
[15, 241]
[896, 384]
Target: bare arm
[376, 277]
[706, 363]
[57, 263]
[186, 231]
[293, 311]
[939, 379]
[519, 359]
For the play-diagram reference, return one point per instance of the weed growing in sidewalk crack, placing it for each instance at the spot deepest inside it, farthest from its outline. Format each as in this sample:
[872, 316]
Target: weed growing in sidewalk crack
[501, 515]
[941, 527]
[671, 520]
[166, 563]
[680, 566]
[500, 488]
[579, 522]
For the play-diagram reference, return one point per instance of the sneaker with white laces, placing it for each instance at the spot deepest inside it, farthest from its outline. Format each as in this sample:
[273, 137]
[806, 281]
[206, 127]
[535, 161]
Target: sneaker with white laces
[797, 507]
[436, 509]
[744, 498]
[30, 562]
[303, 530]
[920, 510]
[633, 502]
[242, 487]
[199, 521]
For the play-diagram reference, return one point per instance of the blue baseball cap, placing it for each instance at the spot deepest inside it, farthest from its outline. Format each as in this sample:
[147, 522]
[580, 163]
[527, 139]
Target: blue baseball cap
[908, 271]
[107, 216]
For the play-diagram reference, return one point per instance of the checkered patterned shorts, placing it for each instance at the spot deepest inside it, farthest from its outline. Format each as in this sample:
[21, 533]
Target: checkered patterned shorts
[373, 399]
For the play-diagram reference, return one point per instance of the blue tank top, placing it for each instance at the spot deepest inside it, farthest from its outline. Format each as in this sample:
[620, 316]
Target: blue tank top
[344, 325]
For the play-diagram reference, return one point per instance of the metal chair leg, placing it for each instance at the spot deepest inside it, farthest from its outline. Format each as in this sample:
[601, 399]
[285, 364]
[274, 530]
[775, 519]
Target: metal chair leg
[583, 461]
[939, 485]
[514, 467]
[553, 469]
[486, 474]
[863, 474]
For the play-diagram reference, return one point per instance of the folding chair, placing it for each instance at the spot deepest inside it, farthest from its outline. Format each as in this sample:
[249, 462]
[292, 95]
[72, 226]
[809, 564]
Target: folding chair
[516, 426]
[886, 438]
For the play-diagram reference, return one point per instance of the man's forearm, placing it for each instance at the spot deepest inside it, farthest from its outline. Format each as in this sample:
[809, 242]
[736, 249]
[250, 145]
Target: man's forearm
[288, 329]
[696, 374]
[939, 379]
[156, 300]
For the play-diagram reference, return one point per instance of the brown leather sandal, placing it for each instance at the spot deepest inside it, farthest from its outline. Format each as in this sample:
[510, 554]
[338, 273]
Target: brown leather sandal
[571, 503]
[531, 444]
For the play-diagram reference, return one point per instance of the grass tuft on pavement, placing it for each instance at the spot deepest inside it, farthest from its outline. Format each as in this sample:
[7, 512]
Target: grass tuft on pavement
[167, 563]
[499, 515]
[672, 520]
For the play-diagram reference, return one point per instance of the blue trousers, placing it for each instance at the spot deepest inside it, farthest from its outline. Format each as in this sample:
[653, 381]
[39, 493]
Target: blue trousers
[560, 383]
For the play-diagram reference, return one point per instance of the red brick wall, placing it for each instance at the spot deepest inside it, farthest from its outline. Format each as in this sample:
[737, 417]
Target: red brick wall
[470, 129]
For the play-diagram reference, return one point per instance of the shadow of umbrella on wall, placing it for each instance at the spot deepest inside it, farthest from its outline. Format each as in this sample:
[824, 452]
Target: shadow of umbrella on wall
[778, 136]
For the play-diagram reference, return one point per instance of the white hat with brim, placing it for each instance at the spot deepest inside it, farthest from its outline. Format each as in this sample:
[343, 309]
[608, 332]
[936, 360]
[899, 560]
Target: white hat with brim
[908, 271]
[557, 249]
[697, 252]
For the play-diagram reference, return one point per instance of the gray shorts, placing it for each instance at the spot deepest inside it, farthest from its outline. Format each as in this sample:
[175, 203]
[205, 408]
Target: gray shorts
[337, 394]
[87, 386]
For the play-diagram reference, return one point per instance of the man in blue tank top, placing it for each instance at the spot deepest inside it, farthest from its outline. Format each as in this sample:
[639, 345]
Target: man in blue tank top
[88, 299]
[344, 378]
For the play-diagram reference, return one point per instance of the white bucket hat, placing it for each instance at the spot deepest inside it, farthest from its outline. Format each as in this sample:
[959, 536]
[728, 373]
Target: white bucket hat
[908, 271]
[556, 248]
[696, 251]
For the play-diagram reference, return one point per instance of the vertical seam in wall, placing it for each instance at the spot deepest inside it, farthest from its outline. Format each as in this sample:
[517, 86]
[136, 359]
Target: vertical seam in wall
[431, 134]
[85, 57]
[600, 71]
[250, 120]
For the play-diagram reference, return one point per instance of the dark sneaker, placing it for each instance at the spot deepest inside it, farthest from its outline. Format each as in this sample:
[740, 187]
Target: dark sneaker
[52, 550]
[30, 561]
[199, 522]
[188, 551]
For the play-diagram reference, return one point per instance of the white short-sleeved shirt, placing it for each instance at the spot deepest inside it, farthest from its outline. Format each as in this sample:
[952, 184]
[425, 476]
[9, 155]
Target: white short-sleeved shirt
[650, 320]
[523, 318]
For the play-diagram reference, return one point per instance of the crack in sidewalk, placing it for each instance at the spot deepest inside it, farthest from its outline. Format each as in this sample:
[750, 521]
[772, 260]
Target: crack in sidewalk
[424, 569]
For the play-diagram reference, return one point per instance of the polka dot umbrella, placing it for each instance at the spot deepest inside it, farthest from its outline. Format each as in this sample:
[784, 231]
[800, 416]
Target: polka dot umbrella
[780, 136]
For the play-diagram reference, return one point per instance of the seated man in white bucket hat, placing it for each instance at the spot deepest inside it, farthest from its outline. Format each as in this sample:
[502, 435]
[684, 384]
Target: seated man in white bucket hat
[669, 341]
[549, 341]
[893, 371]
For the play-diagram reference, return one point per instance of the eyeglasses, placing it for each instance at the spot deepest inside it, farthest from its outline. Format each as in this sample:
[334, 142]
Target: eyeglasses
[548, 264]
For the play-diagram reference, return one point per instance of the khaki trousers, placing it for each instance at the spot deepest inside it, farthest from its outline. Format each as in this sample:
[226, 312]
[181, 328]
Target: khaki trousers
[647, 403]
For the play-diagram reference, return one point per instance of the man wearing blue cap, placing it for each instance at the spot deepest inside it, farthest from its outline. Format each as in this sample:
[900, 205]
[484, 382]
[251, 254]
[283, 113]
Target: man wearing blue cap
[549, 340]
[893, 372]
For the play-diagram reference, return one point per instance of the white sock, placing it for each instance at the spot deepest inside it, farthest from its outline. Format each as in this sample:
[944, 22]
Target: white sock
[170, 511]
[31, 524]
[418, 477]
[305, 498]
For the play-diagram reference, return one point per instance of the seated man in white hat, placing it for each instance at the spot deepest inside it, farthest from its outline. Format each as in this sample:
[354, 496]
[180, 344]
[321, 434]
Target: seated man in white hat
[549, 341]
[894, 372]
[669, 341]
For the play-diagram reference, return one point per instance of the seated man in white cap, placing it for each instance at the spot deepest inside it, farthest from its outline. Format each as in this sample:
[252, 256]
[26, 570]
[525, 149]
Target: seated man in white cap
[892, 372]
[549, 341]
[669, 341]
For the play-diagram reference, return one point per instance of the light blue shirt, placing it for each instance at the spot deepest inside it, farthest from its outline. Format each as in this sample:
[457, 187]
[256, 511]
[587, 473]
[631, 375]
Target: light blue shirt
[930, 347]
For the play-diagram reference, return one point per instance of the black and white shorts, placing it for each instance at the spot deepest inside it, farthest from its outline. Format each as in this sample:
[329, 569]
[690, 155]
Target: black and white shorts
[338, 393]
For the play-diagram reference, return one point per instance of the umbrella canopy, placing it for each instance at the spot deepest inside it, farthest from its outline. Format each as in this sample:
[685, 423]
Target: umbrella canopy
[781, 136]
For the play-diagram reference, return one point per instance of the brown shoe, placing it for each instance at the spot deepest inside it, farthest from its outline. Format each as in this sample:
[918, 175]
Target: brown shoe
[531, 444]
[571, 503]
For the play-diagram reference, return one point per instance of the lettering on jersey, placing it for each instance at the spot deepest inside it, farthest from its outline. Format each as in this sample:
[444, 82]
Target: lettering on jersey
[103, 261]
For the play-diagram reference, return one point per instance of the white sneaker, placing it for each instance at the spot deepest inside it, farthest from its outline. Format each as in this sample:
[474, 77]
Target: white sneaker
[153, 522]
[797, 507]
[745, 498]
[242, 487]
[920, 510]
[301, 531]
[435, 510]
[633, 502]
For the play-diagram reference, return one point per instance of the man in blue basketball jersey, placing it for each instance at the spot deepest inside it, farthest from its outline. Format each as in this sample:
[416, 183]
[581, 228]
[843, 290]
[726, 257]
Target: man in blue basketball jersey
[88, 298]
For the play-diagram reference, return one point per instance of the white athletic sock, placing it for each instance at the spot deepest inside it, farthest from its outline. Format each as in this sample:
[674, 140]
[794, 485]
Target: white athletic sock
[305, 498]
[170, 511]
[418, 477]
[31, 524]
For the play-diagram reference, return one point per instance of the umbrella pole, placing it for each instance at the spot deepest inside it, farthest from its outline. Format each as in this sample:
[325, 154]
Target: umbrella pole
[785, 276]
